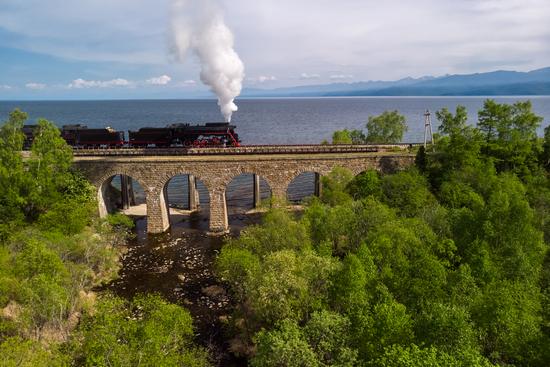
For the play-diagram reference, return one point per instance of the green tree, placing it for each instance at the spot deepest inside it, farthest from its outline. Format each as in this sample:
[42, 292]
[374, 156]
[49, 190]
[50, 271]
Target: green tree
[407, 191]
[329, 336]
[545, 154]
[49, 167]
[348, 137]
[13, 178]
[334, 186]
[349, 289]
[357, 137]
[445, 270]
[366, 184]
[18, 352]
[387, 128]
[459, 147]
[324, 341]
[290, 285]
[510, 133]
[147, 331]
[285, 346]
[413, 356]
[452, 124]
[508, 313]
[342, 137]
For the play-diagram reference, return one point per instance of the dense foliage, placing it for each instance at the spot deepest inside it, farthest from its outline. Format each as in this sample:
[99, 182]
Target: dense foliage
[53, 250]
[145, 332]
[444, 264]
[387, 128]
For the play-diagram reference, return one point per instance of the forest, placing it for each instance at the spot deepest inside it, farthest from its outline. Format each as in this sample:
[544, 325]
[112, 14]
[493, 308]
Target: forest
[445, 264]
[54, 251]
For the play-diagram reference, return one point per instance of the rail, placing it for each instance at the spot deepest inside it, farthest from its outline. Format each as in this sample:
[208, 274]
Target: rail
[245, 149]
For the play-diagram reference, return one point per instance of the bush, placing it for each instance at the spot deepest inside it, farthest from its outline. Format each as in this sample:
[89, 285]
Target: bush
[17, 352]
[119, 220]
[147, 331]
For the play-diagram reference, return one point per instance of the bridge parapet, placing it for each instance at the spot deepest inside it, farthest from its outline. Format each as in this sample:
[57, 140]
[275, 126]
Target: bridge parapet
[245, 149]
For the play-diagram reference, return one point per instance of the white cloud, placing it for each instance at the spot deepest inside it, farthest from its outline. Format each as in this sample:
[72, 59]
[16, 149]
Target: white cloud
[341, 76]
[35, 86]
[5, 86]
[369, 39]
[189, 83]
[309, 76]
[82, 83]
[262, 79]
[161, 80]
[266, 78]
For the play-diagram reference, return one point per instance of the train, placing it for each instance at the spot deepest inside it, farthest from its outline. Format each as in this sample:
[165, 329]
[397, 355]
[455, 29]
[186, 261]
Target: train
[211, 134]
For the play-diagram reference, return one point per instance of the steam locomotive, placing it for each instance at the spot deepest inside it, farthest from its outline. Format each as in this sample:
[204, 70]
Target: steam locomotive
[214, 134]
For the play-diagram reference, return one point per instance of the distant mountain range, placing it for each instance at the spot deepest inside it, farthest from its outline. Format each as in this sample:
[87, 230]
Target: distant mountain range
[536, 82]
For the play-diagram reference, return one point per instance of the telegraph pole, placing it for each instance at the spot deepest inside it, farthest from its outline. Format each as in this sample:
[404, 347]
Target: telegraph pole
[428, 128]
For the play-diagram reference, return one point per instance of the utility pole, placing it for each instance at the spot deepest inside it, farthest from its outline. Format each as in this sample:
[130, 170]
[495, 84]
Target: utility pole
[257, 194]
[428, 128]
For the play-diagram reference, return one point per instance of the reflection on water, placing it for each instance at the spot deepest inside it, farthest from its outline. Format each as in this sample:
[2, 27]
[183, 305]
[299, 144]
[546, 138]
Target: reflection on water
[239, 193]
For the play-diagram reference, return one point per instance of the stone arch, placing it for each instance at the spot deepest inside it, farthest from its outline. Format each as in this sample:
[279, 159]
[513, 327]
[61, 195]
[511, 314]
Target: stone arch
[100, 180]
[103, 183]
[358, 169]
[166, 176]
[246, 189]
[194, 198]
[305, 183]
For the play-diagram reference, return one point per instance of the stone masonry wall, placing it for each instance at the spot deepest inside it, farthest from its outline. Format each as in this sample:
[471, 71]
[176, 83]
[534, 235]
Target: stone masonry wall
[153, 174]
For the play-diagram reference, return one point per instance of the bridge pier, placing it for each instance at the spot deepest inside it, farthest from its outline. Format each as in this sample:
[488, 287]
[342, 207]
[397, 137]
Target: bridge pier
[318, 186]
[257, 193]
[278, 194]
[158, 219]
[192, 193]
[219, 223]
[124, 192]
[101, 195]
[131, 194]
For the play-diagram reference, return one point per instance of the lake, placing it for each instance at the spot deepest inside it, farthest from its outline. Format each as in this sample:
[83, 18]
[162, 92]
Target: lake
[261, 121]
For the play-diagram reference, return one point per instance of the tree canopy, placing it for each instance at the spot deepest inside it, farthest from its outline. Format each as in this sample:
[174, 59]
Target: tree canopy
[53, 251]
[387, 128]
[443, 264]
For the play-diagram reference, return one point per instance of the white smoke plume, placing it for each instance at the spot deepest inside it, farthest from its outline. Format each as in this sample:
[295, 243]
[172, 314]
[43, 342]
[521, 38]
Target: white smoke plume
[198, 26]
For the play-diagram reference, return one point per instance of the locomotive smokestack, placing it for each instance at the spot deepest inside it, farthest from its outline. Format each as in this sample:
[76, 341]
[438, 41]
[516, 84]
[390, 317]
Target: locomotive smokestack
[199, 26]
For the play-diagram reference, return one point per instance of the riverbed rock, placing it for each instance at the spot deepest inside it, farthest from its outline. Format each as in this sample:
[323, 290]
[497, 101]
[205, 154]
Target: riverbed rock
[214, 291]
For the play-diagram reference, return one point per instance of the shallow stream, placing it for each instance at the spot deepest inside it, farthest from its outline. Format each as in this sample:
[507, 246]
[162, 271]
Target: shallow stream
[179, 266]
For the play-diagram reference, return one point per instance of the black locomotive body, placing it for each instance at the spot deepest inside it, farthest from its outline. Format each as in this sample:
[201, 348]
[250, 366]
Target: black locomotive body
[216, 134]
[83, 137]
[29, 131]
[209, 134]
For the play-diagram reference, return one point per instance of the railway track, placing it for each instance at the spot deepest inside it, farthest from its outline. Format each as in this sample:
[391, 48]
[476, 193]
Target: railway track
[245, 149]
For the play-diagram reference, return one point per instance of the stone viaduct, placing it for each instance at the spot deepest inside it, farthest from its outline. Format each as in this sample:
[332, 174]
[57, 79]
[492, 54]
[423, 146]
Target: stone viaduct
[216, 167]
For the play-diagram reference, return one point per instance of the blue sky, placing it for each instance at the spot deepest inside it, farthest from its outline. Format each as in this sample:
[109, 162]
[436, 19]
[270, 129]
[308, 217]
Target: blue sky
[57, 49]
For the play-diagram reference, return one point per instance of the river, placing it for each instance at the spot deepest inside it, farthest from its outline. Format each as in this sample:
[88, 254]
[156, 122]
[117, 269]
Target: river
[179, 264]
